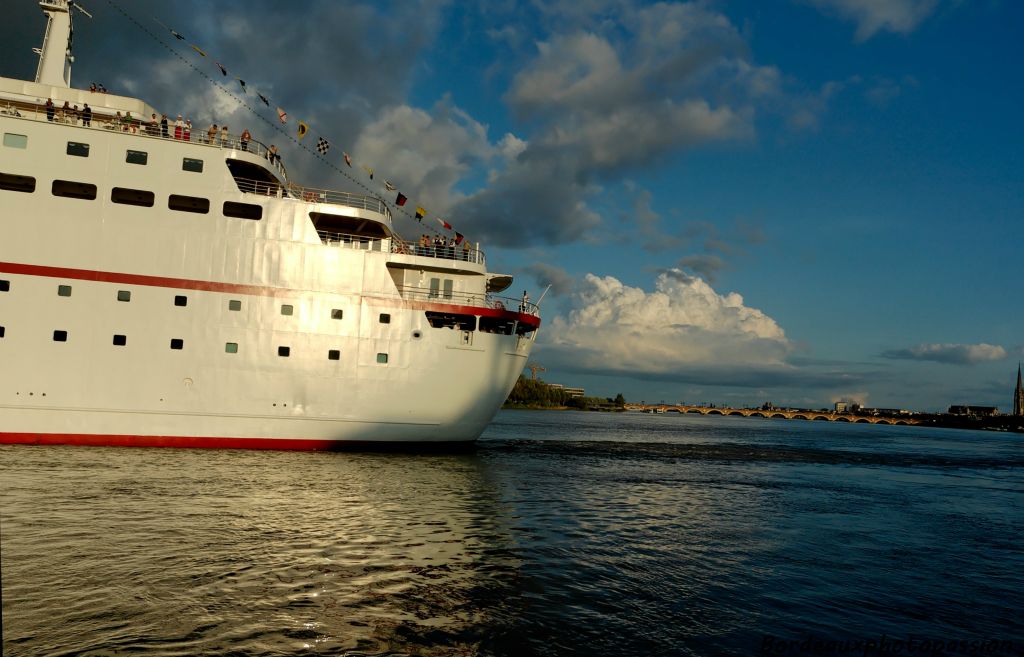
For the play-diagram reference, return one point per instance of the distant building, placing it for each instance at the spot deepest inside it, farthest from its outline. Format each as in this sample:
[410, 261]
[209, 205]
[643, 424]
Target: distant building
[841, 407]
[974, 411]
[1018, 396]
[572, 392]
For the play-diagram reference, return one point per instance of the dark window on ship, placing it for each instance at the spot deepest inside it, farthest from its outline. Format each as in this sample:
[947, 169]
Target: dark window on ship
[188, 164]
[231, 348]
[243, 210]
[63, 290]
[12, 140]
[435, 288]
[180, 300]
[2, 331]
[234, 304]
[60, 336]
[287, 309]
[337, 313]
[284, 352]
[136, 157]
[497, 325]
[382, 359]
[124, 295]
[69, 189]
[5, 286]
[333, 354]
[126, 196]
[452, 321]
[522, 328]
[177, 343]
[120, 340]
[188, 204]
[78, 149]
[385, 318]
[447, 288]
[12, 183]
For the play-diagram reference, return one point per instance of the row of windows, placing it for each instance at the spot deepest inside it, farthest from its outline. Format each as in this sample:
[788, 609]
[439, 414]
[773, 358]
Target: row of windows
[178, 344]
[126, 196]
[80, 149]
[182, 300]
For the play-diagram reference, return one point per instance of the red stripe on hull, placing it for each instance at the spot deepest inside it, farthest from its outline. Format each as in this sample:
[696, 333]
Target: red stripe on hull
[111, 440]
[234, 288]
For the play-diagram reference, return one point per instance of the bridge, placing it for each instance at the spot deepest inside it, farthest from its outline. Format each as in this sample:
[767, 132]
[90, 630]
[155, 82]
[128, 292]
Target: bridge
[787, 414]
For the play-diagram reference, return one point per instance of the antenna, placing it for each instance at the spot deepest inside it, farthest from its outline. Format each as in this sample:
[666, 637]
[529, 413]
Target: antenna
[79, 8]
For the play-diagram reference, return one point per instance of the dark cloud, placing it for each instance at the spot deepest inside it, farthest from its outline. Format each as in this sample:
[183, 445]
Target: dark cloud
[561, 282]
[951, 354]
[707, 266]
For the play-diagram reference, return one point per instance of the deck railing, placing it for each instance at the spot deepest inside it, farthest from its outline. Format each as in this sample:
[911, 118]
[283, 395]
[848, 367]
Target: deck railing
[397, 245]
[143, 128]
[469, 299]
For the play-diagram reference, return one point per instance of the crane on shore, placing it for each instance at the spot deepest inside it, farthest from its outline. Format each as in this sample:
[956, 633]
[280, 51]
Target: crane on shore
[534, 368]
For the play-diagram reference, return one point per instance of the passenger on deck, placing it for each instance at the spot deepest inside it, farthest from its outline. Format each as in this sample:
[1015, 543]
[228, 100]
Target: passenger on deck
[65, 113]
[87, 116]
[224, 138]
[164, 132]
[272, 155]
[188, 130]
[465, 250]
[525, 303]
[244, 139]
[179, 128]
[50, 109]
[211, 134]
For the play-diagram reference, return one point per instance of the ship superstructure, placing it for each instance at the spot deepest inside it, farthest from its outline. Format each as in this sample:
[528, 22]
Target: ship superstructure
[183, 291]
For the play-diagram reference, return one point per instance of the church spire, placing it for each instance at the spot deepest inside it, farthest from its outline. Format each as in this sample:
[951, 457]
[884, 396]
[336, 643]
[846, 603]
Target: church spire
[1018, 395]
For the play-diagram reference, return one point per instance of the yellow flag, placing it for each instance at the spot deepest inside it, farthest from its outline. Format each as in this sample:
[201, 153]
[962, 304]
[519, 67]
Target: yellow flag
[196, 48]
[303, 129]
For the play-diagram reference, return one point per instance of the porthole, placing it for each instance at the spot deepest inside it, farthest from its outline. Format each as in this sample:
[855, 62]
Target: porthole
[416, 335]
[63, 290]
[12, 140]
[78, 149]
[337, 313]
[287, 309]
[177, 343]
[284, 352]
[385, 318]
[136, 157]
[124, 295]
[333, 354]
[120, 340]
[5, 286]
[231, 348]
[382, 359]
[2, 331]
[234, 304]
[60, 336]
[180, 300]
[189, 164]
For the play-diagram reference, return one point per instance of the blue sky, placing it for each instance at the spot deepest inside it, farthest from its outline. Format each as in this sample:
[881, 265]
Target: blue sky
[735, 201]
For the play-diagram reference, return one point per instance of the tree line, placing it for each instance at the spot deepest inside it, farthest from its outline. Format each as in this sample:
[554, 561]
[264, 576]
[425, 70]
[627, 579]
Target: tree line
[535, 393]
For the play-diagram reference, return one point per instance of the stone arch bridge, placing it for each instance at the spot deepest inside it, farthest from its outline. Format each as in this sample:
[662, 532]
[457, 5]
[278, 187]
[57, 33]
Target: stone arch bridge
[772, 413]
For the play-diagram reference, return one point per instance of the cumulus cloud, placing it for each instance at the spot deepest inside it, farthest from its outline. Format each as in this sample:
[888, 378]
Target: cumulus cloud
[873, 16]
[705, 265]
[681, 330]
[953, 354]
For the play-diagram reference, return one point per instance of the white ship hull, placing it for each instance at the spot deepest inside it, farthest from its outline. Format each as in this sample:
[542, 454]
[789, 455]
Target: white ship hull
[131, 317]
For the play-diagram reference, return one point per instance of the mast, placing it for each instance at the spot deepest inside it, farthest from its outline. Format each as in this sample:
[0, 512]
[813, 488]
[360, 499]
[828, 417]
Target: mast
[55, 56]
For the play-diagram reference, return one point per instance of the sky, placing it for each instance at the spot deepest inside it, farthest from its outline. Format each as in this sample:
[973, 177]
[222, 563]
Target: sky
[733, 201]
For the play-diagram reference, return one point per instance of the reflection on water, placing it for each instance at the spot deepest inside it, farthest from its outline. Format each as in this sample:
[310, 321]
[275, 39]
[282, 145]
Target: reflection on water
[564, 533]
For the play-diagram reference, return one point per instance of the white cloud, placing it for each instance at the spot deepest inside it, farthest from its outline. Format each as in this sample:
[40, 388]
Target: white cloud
[954, 354]
[873, 16]
[682, 324]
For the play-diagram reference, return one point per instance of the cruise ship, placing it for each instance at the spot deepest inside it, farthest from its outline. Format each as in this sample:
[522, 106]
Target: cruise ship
[181, 291]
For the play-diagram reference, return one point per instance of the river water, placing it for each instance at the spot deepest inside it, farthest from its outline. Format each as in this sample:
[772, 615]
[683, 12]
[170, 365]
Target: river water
[564, 533]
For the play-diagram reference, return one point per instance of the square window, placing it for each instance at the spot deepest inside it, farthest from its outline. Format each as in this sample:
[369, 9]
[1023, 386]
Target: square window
[385, 318]
[78, 149]
[120, 340]
[188, 164]
[287, 309]
[2, 331]
[234, 304]
[5, 286]
[284, 352]
[334, 354]
[177, 343]
[124, 295]
[382, 359]
[231, 348]
[60, 336]
[12, 140]
[180, 300]
[136, 157]
[337, 313]
[63, 290]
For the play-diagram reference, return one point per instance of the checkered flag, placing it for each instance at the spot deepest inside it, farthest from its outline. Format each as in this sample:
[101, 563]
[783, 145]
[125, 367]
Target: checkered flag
[322, 146]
